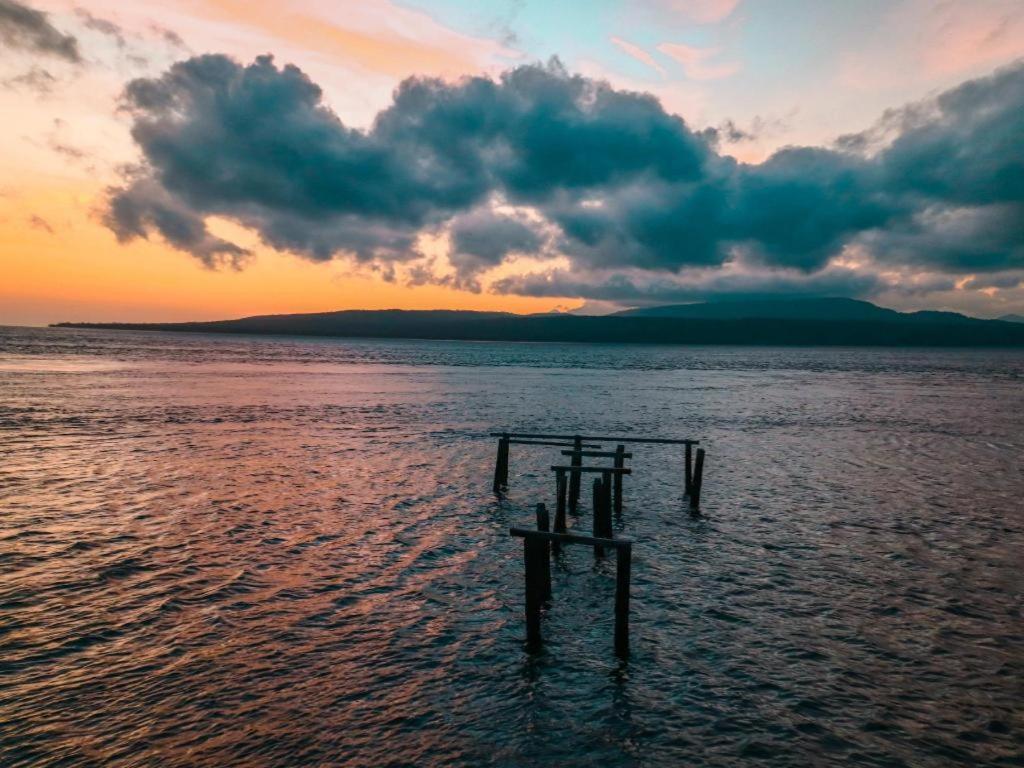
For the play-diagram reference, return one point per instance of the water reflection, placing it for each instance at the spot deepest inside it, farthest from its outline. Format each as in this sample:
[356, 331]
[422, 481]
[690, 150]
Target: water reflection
[297, 560]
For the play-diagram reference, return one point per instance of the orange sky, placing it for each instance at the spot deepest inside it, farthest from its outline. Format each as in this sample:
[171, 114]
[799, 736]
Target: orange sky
[78, 271]
[60, 263]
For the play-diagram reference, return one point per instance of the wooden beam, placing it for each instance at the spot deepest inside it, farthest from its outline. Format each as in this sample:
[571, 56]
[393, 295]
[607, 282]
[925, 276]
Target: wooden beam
[568, 538]
[563, 444]
[570, 468]
[598, 454]
[647, 440]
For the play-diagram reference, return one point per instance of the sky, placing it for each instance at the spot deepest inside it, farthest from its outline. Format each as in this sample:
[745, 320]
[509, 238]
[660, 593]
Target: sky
[204, 159]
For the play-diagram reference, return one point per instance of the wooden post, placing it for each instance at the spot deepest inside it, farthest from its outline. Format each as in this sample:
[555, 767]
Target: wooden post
[606, 503]
[504, 462]
[532, 555]
[623, 566]
[501, 466]
[598, 505]
[688, 482]
[603, 510]
[560, 491]
[544, 524]
[620, 462]
[698, 481]
[497, 468]
[574, 477]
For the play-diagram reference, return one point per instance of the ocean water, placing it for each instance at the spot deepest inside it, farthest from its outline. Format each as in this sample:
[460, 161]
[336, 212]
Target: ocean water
[285, 552]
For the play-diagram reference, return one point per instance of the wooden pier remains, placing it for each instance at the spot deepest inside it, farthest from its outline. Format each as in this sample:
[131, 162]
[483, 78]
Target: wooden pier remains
[551, 536]
[581, 446]
[505, 440]
[538, 579]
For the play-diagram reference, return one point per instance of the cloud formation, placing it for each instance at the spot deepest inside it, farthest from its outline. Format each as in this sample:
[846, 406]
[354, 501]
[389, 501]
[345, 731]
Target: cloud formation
[25, 28]
[604, 178]
[103, 26]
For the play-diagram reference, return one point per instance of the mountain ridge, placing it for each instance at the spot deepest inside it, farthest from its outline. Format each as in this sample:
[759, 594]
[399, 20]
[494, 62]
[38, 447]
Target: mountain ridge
[858, 324]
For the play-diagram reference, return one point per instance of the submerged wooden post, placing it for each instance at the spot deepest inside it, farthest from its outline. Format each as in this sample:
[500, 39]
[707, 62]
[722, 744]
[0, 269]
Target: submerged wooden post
[598, 507]
[534, 590]
[544, 524]
[501, 465]
[603, 511]
[623, 566]
[688, 481]
[606, 503]
[497, 469]
[698, 481]
[504, 462]
[560, 491]
[574, 477]
[620, 462]
[533, 555]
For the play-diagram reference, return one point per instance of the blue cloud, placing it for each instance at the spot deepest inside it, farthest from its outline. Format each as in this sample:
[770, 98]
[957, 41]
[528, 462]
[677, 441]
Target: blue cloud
[617, 182]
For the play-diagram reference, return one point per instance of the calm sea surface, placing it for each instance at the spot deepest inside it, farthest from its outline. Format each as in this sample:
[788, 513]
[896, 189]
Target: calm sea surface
[221, 551]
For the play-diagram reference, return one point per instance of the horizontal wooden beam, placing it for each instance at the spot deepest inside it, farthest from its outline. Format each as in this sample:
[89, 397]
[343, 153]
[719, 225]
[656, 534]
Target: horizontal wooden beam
[515, 441]
[598, 454]
[570, 538]
[611, 470]
[650, 440]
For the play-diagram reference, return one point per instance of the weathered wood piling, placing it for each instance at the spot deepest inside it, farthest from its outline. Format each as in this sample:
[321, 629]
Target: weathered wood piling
[545, 569]
[551, 536]
[623, 575]
[698, 481]
[501, 465]
[620, 462]
[501, 461]
[602, 511]
[534, 554]
[574, 477]
[578, 443]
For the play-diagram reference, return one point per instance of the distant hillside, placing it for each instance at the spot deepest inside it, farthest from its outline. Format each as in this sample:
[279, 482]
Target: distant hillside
[1012, 318]
[792, 309]
[873, 327]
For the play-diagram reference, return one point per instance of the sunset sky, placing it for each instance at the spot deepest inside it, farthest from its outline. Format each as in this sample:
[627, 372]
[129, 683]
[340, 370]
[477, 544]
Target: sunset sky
[155, 164]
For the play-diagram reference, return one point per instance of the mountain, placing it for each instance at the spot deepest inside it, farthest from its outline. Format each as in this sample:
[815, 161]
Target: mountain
[1012, 318]
[834, 309]
[811, 322]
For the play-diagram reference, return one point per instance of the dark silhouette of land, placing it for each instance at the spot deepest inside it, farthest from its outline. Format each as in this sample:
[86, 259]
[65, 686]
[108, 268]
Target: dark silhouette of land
[810, 322]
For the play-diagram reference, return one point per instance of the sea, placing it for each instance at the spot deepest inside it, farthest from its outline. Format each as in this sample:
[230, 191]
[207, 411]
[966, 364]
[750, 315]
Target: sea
[224, 550]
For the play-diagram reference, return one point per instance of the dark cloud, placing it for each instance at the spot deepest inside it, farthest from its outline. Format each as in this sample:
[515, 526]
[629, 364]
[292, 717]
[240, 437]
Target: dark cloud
[35, 79]
[256, 143]
[999, 280]
[28, 29]
[647, 290]
[611, 180]
[169, 36]
[150, 207]
[482, 239]
[103, 26]
[38, 222]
